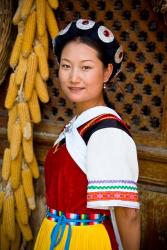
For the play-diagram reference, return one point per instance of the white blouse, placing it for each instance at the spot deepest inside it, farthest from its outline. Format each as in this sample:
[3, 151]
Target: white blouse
[112, 169]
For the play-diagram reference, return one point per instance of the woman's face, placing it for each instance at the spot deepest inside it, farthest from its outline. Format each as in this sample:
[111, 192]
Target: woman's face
[82, 75]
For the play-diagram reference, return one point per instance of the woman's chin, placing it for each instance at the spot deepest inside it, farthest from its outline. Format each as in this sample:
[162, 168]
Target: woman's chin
[76, 99]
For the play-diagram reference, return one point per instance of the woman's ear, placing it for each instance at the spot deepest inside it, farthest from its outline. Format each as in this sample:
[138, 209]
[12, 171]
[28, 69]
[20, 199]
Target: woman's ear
[108, 72]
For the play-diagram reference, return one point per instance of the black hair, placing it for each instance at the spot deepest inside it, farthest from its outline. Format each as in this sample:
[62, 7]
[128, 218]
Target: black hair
[106, 100]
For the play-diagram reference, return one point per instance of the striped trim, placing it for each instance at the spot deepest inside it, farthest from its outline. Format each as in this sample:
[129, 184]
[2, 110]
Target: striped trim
[113, 181]
[112, 187]
[123, 196]
[75, 219]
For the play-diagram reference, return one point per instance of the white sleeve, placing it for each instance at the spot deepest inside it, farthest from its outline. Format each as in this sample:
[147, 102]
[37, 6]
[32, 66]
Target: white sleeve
[112, 170]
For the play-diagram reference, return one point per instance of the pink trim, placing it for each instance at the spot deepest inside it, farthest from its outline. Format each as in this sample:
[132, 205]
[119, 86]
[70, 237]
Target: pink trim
[124, 196]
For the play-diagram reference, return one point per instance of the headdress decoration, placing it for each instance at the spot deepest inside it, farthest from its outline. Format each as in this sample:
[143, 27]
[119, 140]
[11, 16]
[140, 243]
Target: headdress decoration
[113, 51]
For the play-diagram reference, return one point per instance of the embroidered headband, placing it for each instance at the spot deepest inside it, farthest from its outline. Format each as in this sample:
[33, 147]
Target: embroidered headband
[112, 51]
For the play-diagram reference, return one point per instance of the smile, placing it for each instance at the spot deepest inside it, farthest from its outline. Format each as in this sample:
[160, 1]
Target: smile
[75, 89]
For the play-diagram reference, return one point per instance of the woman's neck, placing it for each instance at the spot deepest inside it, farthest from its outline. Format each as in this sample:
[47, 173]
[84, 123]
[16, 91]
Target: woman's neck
[79, 108]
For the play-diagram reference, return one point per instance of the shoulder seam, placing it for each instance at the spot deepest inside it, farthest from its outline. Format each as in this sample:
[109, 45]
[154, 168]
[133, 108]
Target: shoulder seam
[108, 123]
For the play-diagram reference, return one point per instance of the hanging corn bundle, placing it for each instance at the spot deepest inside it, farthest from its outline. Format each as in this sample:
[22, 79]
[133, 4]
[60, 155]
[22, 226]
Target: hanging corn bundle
[27, 88]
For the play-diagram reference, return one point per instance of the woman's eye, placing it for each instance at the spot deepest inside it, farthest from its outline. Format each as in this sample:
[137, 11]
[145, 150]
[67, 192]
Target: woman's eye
[86, 67]
[65, 66]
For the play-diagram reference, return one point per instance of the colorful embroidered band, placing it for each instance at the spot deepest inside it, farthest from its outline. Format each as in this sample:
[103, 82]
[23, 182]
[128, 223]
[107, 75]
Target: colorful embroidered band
[70, 219]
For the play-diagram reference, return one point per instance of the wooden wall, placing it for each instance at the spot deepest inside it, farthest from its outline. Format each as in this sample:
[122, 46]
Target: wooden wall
[139, 95]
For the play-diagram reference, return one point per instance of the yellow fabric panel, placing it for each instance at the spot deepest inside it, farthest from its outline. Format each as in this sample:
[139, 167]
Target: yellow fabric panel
[89, 237]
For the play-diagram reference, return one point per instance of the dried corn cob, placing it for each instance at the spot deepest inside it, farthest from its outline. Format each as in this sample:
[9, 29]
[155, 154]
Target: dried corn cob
[53, 3]
[31, 203]
[30, 75]
[16, 48]
[28, 187]
[27, 181]
[45, 43]
[25, 228]
[27, 131]
[16, 137]
[16, 171]
[51, 22]
[28, 150]
[4, 241]
[41, 89]
[29, 34]
[21, 204]
[25, 9]
[17, 16]
[34, 108]
[40, 6]
[12, 114]
[23, 113]
[2, 195]
[42, 60]
[6, 164]
[15, 245]
[11, 92]
[34, 167]
[8, 216]
[21, 70]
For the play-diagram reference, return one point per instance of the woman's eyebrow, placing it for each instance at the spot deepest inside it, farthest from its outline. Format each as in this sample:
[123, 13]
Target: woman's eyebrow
[84, 60]
[87, 60]
[65, 59]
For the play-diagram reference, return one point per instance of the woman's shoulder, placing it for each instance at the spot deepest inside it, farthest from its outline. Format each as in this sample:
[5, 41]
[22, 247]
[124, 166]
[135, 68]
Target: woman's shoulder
[105, 124]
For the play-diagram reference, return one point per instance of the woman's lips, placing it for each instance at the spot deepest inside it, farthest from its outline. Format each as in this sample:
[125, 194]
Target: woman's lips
[75, 89]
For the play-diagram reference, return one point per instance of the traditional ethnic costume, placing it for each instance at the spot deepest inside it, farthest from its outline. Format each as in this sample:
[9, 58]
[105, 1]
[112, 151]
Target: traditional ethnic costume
[91, 169]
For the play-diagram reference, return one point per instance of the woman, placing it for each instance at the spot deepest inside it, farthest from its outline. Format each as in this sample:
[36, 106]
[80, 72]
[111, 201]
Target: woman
[92, 170]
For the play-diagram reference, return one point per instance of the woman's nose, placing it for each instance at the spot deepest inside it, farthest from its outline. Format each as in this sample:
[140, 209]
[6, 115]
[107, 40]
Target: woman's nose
[74, 76]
